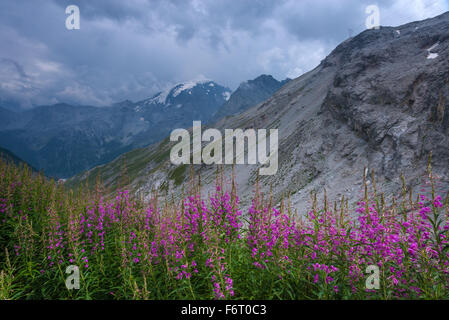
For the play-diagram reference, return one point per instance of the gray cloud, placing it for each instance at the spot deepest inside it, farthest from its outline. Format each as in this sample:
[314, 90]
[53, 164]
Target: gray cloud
[131, 49]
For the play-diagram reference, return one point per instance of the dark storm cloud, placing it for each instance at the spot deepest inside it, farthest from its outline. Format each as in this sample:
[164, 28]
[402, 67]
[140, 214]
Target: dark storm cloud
[131, 49]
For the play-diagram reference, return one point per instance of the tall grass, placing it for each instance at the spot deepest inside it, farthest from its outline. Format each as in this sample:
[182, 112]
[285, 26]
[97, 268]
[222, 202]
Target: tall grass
[207, 248]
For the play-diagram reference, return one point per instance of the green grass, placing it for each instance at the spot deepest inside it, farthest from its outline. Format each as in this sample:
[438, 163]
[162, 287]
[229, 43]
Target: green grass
[178, 174]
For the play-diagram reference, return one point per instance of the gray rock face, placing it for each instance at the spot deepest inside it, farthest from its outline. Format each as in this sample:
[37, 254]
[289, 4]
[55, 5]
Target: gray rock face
[391, 88]
[65, 140]
[380, 100]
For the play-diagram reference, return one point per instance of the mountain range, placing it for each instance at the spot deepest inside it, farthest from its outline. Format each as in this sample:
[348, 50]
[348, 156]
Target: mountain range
[378, 102]
[64, 140]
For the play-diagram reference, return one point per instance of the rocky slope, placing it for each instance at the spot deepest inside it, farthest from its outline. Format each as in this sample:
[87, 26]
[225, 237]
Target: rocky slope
[64, 140]
[379, 100]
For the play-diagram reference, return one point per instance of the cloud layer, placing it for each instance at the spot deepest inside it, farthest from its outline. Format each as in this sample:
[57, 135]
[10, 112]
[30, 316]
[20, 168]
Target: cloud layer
[131, 49]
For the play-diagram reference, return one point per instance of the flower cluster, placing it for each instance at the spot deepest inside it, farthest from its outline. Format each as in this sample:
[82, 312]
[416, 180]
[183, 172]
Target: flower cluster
[207, 248]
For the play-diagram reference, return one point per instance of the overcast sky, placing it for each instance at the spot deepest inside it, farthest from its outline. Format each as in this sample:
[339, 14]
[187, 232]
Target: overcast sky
[131, 49]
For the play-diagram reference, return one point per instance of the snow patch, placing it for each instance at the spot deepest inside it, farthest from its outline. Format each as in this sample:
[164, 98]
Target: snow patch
[433, 47]
[226, 95]
[187, 86]
[160, 97]
[398, 32]
[430, 54]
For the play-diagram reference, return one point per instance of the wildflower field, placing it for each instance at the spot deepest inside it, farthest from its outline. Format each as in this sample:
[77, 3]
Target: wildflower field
[207, 248]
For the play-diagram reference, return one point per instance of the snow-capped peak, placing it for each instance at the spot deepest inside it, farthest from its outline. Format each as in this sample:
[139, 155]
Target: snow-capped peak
[187, 86]
[161, 97]
[187, 90]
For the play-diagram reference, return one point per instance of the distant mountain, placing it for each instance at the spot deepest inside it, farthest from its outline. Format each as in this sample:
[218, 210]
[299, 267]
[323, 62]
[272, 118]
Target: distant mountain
[379, 100]
[248, 94]
[9, 156]
[63, 139]
[10, 105]
[7, 116]
[178, 107]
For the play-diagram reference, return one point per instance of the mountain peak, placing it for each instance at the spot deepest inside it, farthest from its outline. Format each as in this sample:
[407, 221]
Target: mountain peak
[264, 77]
[250, 93]
[166, 97]
[264, 80]
[179, 88]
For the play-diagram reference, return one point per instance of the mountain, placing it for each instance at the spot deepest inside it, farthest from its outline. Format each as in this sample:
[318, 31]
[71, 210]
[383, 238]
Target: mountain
[8, 116]
[63, 139]
[10, 105]
[177, 108]
[248, 94]
[9, 156]
[379, 100]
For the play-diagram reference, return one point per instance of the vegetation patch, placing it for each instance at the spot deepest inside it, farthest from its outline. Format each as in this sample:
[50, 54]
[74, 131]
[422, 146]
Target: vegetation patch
[203, 248]
[178, 174]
